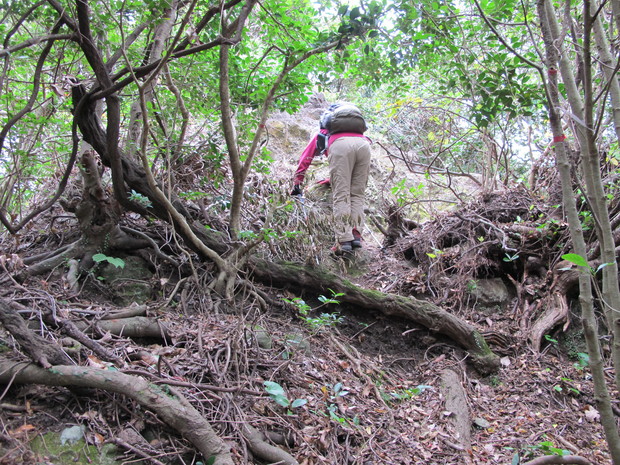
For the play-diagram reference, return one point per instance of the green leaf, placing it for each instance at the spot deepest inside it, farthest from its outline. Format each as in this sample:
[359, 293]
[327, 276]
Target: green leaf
[281, 400]
[298, 403]
[575, 259]
[117, 262]
[273, 388]
[601, 266]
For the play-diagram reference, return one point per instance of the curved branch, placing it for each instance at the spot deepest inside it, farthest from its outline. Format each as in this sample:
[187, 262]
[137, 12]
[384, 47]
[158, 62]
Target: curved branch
[35, 41]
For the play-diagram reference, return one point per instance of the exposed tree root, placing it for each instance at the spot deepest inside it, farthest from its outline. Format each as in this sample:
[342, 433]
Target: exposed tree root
[40, 350]
[74, 251]
[171, 407]
[265, 451]
[556, 312]
[456, 404]
[431, 316]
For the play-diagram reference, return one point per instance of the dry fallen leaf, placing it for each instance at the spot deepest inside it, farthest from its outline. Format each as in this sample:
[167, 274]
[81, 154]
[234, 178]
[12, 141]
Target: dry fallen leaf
[591, 414]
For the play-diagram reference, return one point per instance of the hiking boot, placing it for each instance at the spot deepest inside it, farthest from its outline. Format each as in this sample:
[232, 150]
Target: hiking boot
[342, 248]
[356, 243]
[346, 246]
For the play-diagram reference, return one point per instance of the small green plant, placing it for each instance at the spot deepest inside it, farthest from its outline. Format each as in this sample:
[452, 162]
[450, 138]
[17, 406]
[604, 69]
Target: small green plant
[578, 260]
[566, 383]
[277, 394]
[401, 395]
[406, 194]
[117, 262]
[583, 360]
[510, 258]
[324, 319]
[333, 393]
[472, 285]
[435, 253]
[550, 339]
[548, 448]
[140, 199]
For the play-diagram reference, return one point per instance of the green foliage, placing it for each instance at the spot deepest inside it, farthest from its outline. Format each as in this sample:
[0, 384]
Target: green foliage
[581, 262]
[323, 320]
[117, 262]
[583, 360]
[401, 395]
[548, 448]
[406, 194]
[139, 198]
[510, 257]
[550, 339]
[278, 395]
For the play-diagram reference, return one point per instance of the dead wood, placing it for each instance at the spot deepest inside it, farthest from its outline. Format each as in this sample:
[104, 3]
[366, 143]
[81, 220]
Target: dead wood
[72, 330]
[128, 312]
[555, 303]
[171, 407]
[456, 404]
[138, 326]
[301, 278]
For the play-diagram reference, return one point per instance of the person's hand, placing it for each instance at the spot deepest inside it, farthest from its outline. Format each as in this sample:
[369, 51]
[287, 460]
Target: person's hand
[296, 190]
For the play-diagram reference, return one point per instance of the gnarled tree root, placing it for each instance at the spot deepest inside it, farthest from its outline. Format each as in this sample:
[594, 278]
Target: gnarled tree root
[173, 408]
[265, 451]
[299, 277]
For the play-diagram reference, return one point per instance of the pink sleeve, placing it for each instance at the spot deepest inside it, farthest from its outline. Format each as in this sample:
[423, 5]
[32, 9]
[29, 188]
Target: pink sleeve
[305, 160]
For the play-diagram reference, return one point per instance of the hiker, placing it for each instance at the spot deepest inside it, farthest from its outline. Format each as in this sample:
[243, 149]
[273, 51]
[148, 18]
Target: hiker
[341, 138]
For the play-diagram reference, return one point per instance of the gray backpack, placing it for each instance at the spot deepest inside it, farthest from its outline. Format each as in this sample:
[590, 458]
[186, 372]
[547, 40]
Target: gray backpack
[343, 117]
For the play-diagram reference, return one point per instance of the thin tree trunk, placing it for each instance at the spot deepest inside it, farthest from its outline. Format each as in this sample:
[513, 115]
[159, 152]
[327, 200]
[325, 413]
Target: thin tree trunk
[602, 396]
[155, 51]
[609, 67]
[584, 130]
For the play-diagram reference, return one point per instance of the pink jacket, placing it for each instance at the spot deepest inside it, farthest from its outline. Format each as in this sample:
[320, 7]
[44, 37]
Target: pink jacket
[311, 151]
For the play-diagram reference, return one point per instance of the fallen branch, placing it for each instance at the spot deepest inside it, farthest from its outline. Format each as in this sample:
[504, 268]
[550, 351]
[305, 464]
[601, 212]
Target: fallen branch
[456, 403]
[138, 326]
[169, 405]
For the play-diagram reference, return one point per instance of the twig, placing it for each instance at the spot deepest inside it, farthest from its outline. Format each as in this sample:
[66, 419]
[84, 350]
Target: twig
[135, 450]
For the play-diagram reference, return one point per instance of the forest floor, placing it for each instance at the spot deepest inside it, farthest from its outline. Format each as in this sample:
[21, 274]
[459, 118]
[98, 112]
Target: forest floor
[372, 387]
[361, 388]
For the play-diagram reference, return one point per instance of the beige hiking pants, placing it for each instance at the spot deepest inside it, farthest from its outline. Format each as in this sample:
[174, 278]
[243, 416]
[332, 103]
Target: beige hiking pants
[349, 163]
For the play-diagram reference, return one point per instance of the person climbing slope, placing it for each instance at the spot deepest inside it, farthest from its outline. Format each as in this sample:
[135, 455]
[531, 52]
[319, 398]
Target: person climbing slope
[341, 137]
